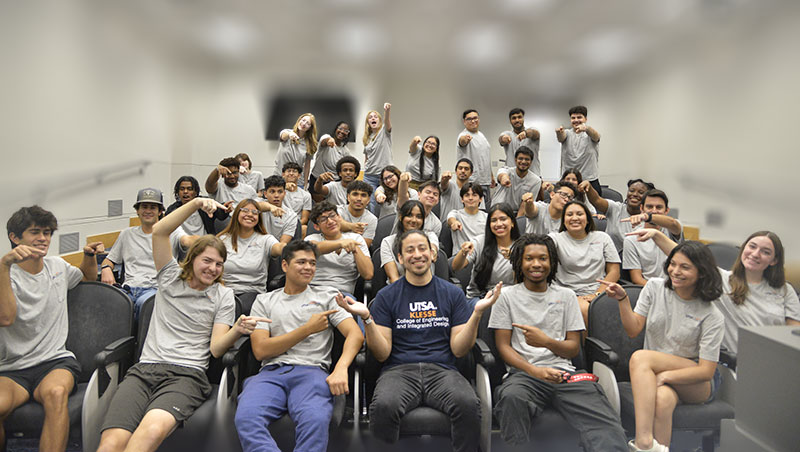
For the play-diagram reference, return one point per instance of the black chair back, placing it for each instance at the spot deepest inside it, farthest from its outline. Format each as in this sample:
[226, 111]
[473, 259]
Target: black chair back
[610, 193]
[446, 240]
[378, 276]
[98, 315]
[441, 267]
[724, 253]
[605, 324]
[382, 230]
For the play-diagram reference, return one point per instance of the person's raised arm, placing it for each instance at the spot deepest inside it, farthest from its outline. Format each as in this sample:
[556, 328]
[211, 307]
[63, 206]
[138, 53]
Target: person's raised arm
[8, 302]
[162, 249]
[444, 183]
[561, 135]
[599, 203]
[662, 221]
[213, 179]
[223, 336]
[338, 379]
[460, 259]
[661, 240]
[464, 139]
[89, 263]
[593, 134]
[319, 185]
[387, 117]
[379, 338]
[363, 261]
[533, 134]
[402, 189]
[266, 346]
[462, 337]
[413, 148]
[632, 322]
[264, 206]
[531, 209]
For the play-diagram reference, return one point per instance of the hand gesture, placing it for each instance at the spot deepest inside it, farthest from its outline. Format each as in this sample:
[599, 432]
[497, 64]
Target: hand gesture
[94, 248]
[466, 248]
[291, 186]
[522, 135]
[548, 374]
[107, 276]
[319, 322]
[527, 197]
[446, 176]
[643, 234]
[327, 176]
[246, 324]
[405, 176]
[506, 182]
[533, 335]
[634, 220]
[416, 140]
[614, 290]
[505, 252]
[228, 206]
[560, 129]
[455, 225]
[359, 228]
[387, 106]
[467, 139]
[21, 253]
[330, 142]
[380, 198]
[209, 206]
[222, 170]
[294, 137]
[504, 140]
[352, 306]
[580, 128]
[584, 186]
[276, 211]
[547, 186]
[348, 245]
[337, 382]
[490, 298]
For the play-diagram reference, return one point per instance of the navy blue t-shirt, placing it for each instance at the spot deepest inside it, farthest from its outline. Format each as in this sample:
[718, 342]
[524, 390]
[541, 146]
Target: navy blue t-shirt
[420, 319]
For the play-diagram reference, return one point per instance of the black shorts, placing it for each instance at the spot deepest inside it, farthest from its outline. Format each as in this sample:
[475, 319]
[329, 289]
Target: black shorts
[31, 377]
[177, 390]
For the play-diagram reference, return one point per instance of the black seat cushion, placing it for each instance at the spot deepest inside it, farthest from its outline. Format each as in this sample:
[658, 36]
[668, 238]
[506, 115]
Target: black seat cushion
[28, 419]
[690, 416]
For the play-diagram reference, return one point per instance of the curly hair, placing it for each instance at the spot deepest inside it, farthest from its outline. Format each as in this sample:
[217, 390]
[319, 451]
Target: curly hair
[518, 252]
[709, 281]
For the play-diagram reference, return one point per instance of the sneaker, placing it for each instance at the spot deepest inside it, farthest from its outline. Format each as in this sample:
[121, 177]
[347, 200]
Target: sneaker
[656, 447]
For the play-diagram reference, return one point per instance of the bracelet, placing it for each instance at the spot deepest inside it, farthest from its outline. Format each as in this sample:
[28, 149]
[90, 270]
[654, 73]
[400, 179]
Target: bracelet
[650, 217]
[89, 254]
[368, 320]
[105, 267]
[626, 296]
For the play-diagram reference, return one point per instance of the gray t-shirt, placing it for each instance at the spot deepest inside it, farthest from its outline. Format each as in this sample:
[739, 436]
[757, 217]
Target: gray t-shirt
[183, 318]
[511, 148]
[39, 331]
[298, 200]
[338, 269]
[554, 311]
[479, 152]
[530, 183]
[246, 268]
[450, 199]
[236, 194]
[645, 256]
[366, 217]
[289, 151]
[542, 223]
[614, 227]
[387, 250]
[690, 329]
[390, 207]
[472, 225]
[763, 305]
[194, 224]
[337, 193]
[289, 312]
[412, 166]
[280, 226]
[582, 262]
[134, 249]
[578, 150]
[378, 152]
[432, 223]
[254, 179]
[501, 270]
[326, 156]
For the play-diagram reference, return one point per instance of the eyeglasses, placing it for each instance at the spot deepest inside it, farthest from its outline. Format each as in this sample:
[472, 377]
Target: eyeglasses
[250, 211]
[566, 196]
[326, 218]
[389, 177]
[471, 119]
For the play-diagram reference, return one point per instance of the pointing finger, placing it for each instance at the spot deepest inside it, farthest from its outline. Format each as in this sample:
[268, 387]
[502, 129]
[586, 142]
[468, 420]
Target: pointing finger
[329, 312]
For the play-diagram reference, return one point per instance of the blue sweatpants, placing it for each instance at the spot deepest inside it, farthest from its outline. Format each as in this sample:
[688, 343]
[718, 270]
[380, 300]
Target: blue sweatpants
[277, 389]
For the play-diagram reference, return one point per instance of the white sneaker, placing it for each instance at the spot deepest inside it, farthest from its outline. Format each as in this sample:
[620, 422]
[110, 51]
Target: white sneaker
[655, 448]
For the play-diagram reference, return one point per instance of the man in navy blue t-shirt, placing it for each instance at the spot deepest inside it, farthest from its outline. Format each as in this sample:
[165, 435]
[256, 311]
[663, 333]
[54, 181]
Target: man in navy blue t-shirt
[419, 325]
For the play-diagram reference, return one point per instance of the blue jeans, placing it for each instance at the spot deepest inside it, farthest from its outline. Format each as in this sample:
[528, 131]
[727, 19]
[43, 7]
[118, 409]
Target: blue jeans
[374, 181]
[300, 391]
[139, 295]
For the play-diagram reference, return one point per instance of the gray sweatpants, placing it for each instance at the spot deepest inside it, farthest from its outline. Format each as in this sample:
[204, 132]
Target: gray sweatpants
[520, 398]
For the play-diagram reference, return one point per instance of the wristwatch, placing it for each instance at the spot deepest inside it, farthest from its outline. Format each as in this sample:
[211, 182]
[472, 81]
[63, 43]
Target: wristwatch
[368, 320]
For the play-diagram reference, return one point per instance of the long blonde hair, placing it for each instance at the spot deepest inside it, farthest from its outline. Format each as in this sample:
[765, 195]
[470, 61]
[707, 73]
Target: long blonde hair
[774, 274]
[234, 228]
[311, 134]
[367, 133]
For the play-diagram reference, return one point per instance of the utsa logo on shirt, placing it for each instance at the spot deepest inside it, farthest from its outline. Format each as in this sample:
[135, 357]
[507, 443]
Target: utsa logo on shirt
[422, 309]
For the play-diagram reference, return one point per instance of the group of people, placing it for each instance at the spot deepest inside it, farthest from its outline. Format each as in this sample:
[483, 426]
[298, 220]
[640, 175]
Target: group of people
[538, 260]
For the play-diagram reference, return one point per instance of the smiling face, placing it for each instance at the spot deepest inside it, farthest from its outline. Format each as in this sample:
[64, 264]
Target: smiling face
[561, 196]
[414, 220]
[517, 121]
[207, 266]
[682, 272]
[575, 219]
[576, 119]
[148, 213]
[348, 172]
[635, 194]
[301, 267]
[304, 123]
[472, 121]
[429, 196]
[34, 236]
[655, 205]
[186, 192]
[291, 175]
[523, 162]
[248, 216]
[572, 179]
[758, 254]
[390, 179]
[232, 178]
[328, 223]
[430, 146]
[471, 199]
[500, 223]
[341, 134]
[415, 254]
[536, 263]
[374, 120]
